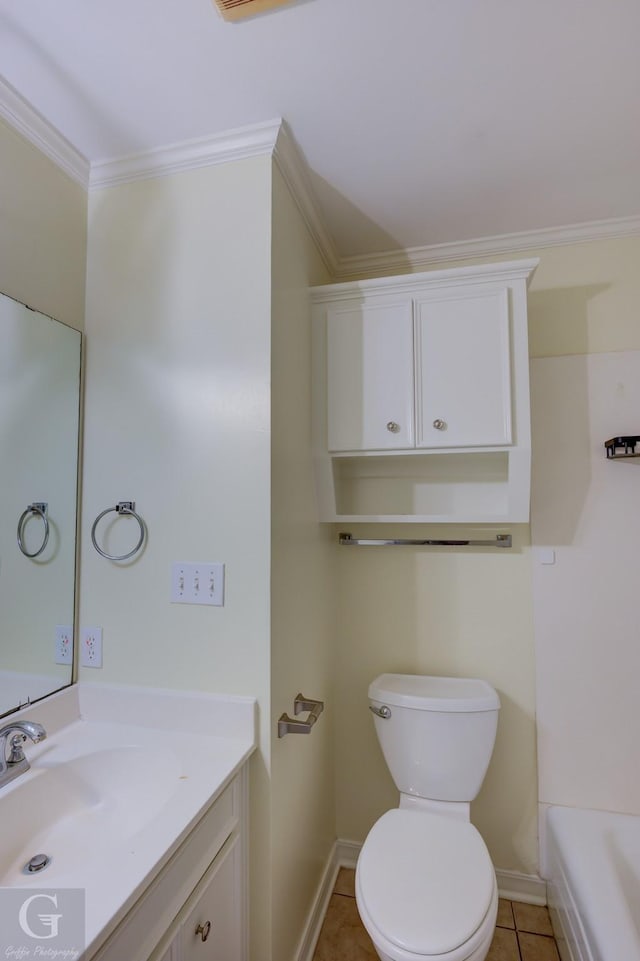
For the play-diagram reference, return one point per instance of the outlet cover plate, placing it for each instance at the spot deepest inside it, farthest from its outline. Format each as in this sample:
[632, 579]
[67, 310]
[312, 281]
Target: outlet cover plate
[63, 645]
[91, 647]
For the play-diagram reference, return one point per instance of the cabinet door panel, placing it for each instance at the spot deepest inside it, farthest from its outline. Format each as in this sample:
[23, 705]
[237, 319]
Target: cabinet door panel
[463, 370]
[370, 401]
[211, 931]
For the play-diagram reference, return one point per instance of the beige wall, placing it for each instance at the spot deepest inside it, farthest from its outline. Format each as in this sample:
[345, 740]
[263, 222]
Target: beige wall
[302, 594]
[198, 408]
[583, 299]
[465, 613]
[42, 231]
[441, 611]
[178, 419]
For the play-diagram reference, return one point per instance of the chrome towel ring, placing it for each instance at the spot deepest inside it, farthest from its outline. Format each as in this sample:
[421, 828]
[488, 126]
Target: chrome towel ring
[40, 510]
[122, 507]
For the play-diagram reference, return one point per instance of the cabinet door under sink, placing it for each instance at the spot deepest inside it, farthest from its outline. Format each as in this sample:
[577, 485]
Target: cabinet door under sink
[211, 930]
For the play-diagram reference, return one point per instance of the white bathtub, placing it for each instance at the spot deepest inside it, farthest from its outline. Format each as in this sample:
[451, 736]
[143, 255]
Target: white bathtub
[593, 868]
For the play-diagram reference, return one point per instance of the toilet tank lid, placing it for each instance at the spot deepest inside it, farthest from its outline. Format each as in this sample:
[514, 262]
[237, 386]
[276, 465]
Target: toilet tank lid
[424, 693]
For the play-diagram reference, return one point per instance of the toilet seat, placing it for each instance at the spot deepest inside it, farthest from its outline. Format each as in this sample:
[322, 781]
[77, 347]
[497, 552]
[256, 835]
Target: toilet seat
[426, 887]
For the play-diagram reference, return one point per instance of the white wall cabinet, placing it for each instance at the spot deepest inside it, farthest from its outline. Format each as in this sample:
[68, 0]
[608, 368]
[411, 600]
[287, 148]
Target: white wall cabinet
[370, 396]
[421, 396]
[463, 369]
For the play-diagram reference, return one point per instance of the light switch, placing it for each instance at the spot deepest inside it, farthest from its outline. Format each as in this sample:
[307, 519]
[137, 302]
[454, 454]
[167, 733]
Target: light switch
[197, 583]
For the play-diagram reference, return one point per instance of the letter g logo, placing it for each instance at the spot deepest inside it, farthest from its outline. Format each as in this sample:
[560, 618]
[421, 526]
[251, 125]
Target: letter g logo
[48, 921]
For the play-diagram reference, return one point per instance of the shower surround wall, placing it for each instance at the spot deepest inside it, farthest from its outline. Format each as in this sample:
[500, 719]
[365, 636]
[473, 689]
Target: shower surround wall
[586, 509]
[587, 634]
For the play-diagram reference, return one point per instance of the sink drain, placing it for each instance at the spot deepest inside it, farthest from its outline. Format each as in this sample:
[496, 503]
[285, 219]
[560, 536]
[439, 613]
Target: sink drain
[37, 863]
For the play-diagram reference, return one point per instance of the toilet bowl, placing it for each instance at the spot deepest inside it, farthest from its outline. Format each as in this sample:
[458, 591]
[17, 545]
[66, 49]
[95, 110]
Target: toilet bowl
[425, 885]
[426, 888]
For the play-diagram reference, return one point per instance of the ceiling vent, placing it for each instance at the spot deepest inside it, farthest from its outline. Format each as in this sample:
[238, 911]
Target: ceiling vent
[239, 9]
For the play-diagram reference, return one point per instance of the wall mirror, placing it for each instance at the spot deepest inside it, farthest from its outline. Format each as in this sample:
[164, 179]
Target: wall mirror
[39, 437]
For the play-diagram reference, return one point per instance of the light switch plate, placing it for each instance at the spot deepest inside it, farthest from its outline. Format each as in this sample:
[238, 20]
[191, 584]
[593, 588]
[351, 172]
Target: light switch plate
[197, 583]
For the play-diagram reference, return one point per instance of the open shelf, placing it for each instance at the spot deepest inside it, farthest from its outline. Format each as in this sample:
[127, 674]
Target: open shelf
[479, 486]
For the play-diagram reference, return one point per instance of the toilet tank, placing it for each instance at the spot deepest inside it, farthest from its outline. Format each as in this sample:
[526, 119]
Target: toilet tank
[438, 735]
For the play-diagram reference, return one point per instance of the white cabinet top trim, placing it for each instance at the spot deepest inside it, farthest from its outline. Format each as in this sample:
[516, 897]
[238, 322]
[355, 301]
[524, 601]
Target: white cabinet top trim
[506, 272]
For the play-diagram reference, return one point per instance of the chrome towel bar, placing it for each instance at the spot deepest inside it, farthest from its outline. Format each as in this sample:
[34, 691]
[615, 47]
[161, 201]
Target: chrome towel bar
[289, 725]
[500, 540]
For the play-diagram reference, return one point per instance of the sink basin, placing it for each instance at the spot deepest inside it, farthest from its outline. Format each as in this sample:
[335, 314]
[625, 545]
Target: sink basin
[75, 809]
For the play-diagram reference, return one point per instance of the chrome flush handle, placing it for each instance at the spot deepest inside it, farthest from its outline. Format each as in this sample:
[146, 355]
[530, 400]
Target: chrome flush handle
[384, 712]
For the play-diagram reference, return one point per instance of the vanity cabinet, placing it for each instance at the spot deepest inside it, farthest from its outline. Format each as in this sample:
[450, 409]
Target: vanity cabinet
[195, 909]
[209, 926]
[421, 396]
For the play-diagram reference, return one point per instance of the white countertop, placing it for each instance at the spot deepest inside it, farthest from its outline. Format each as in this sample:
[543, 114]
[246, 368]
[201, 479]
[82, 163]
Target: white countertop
[132, 771]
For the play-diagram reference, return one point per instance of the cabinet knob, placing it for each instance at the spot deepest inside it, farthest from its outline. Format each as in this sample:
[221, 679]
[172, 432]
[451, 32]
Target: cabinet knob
[393, 427]
[204, 930]
[440, 424]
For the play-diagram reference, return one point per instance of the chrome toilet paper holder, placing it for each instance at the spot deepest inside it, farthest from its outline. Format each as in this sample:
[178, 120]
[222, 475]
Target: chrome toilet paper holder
[289, 725]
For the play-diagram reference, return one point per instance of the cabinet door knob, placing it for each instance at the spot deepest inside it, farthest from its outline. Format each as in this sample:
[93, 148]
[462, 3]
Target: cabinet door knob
[393, 427]
[204, 930]
[440, 424]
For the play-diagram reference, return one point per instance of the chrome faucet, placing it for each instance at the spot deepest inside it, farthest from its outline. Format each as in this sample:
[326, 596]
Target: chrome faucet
[12, 737]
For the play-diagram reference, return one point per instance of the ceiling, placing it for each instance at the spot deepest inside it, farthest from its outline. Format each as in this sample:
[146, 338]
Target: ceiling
[422, 121]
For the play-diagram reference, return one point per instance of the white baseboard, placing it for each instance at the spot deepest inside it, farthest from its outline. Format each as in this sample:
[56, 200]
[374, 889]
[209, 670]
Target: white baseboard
[511, 885]
[528, 888]
[318, 910]
[347, 853]
[344, 854]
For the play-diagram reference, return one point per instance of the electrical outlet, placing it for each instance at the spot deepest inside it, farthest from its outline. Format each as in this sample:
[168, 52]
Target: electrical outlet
[91, 647]
[197, 583]
[63, 653]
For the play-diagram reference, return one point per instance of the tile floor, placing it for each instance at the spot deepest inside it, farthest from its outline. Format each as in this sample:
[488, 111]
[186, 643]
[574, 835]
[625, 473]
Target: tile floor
[523, 931]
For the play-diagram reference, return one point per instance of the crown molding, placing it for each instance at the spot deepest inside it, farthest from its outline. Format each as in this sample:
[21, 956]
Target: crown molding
[274, 138]
[239, 144]
[23, 118]
[423, 258]
[295, 172]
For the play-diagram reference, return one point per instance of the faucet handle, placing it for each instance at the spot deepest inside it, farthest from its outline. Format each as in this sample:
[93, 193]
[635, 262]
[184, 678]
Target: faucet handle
[17, 754]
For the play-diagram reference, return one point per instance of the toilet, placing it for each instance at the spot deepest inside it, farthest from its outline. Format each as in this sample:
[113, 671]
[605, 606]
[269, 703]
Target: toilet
[425, 885]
